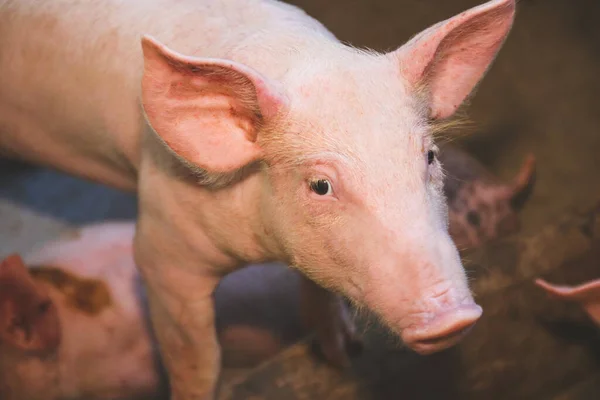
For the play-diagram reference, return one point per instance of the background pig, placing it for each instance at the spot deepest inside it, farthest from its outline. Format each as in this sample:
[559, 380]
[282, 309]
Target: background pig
[251, 134]
[75, 325]
[480, 207]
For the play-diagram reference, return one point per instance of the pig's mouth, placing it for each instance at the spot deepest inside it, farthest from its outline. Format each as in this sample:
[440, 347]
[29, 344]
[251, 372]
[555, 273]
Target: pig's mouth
[444, 331]
[433, 345]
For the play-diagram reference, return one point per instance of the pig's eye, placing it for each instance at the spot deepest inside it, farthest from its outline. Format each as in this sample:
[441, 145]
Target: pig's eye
[430, 157]
[321, 187]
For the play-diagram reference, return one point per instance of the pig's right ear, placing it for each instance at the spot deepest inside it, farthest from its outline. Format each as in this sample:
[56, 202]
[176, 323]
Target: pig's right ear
[29, 320]
[450, 58]
[207, 111]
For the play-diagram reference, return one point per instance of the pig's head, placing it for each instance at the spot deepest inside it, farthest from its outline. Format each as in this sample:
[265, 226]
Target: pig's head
[484, 209]
[351, 185]
[30, 334]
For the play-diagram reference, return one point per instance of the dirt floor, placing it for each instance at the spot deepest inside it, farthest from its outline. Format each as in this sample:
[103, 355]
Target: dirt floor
[541, 96]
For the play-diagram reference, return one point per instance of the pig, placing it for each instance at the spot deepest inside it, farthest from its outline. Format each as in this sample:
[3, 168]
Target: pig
[75, 325]
[480, 207]
[244, 145]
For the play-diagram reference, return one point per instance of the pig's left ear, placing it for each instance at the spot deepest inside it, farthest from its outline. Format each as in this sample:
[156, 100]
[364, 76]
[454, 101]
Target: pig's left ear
[587, 295]
[207, 111]
[450, 58]
[29, 320]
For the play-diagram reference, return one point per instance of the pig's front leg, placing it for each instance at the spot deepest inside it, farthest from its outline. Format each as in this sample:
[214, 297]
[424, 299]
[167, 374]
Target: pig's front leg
[327, 314]
[182, 314]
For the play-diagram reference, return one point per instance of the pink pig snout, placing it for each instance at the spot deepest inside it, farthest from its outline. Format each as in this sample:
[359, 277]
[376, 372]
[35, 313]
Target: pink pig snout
[441, 309]
[429, 319]
[443, 330]
[425, 298]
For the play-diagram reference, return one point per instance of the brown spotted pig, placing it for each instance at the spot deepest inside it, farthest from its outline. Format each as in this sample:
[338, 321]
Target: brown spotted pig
[74, 322]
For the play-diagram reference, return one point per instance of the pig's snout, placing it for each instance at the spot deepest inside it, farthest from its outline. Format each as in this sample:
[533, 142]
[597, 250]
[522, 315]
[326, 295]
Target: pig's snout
[443, 330]
[422, 294]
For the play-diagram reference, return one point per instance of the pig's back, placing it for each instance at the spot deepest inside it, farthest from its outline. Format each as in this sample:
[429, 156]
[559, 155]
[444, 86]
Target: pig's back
[100, 253]
[70, 71]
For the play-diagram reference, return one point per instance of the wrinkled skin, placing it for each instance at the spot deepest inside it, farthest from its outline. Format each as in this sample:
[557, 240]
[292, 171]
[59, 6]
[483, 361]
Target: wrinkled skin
[480, 207]
[251, 134]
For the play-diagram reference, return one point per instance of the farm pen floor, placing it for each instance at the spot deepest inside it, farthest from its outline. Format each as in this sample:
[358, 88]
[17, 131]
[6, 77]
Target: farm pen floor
[540, 96]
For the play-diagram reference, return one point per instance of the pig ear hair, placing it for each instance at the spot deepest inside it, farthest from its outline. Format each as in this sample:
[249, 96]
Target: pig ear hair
[586, 294]
[209, 112]
[447, 60]
[28, 318]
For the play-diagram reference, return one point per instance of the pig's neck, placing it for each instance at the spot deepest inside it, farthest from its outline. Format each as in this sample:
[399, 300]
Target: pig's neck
[223, 229]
